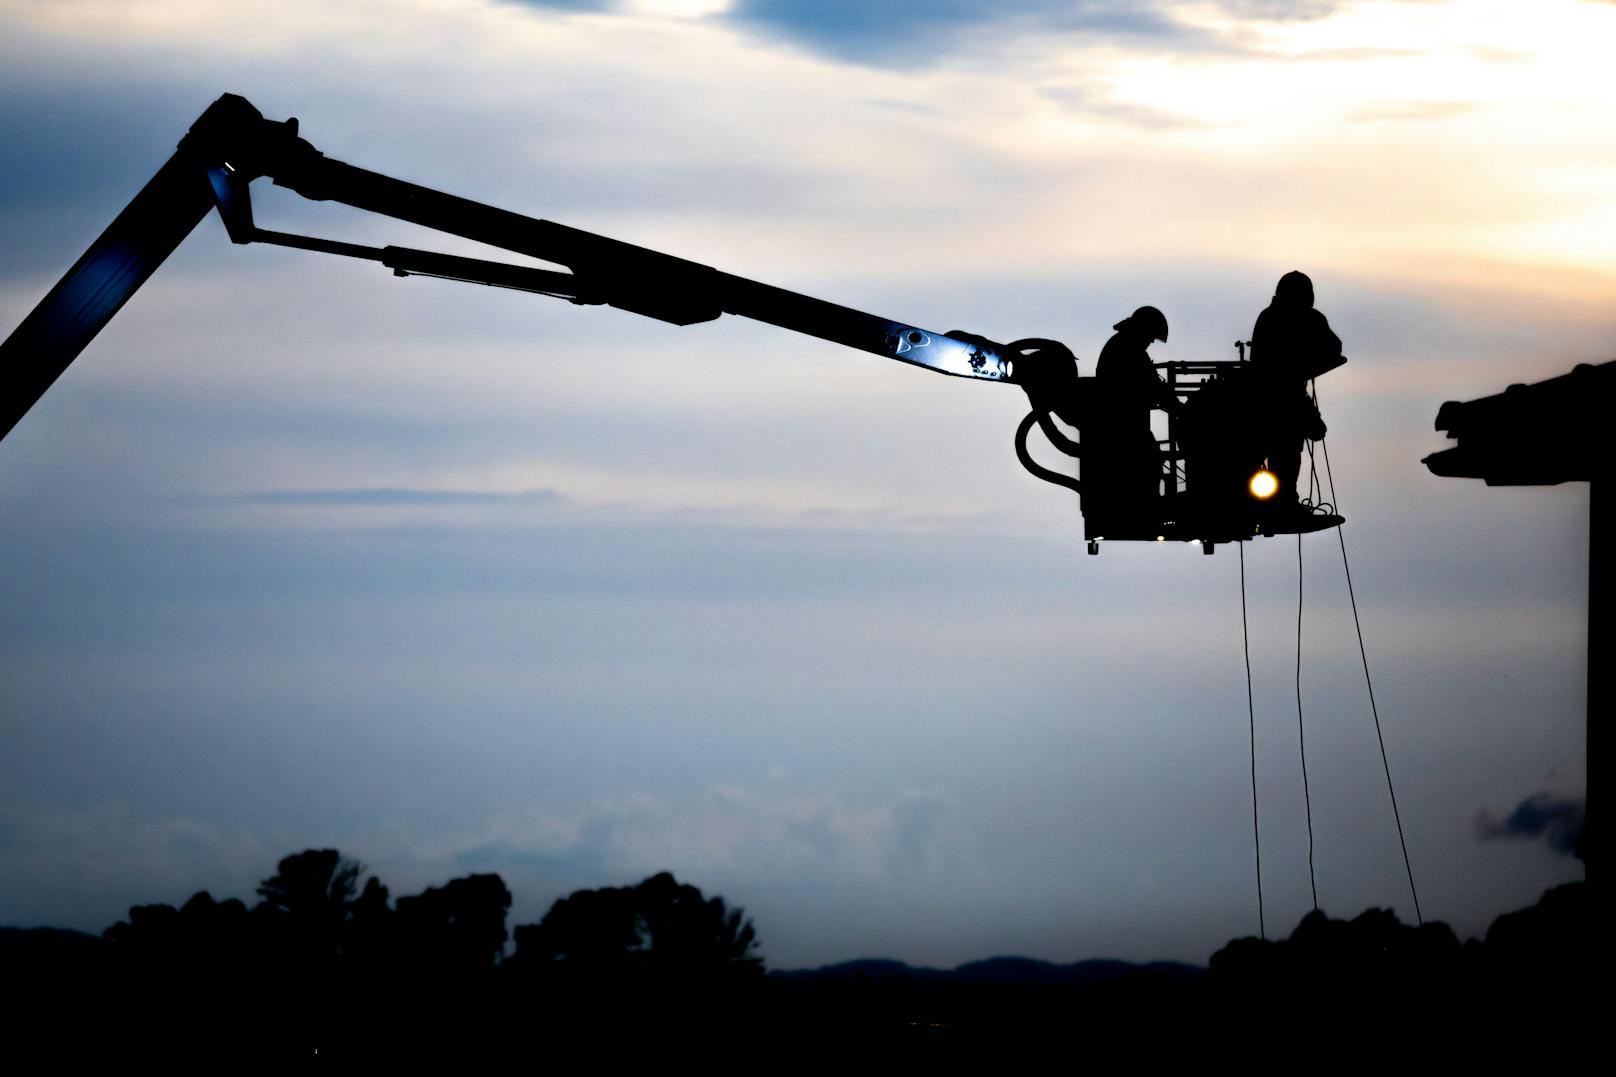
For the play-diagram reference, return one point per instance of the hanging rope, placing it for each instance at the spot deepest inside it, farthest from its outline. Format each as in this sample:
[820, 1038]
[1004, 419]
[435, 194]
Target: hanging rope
[1370, 684]
[1313, 499]
[1251, 715]
[1301, 733]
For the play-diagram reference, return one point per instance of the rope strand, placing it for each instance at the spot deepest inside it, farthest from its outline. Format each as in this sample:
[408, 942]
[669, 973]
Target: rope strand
[1251, 715]
[1370, 684]
[1301, 734]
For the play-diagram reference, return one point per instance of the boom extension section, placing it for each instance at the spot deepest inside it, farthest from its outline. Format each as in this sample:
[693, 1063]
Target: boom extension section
[603, 270]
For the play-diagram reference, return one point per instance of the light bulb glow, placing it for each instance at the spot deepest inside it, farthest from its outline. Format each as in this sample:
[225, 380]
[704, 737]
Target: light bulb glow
[1263, 485]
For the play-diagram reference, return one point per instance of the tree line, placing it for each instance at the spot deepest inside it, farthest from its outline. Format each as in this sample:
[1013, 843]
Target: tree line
[327, 963]
[314, 915]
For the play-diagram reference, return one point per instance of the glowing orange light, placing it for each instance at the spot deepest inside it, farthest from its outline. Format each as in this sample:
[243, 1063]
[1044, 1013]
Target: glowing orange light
[1263, 485]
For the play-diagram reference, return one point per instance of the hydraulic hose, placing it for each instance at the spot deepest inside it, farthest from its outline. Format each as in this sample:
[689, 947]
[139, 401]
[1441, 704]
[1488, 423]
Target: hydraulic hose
[1033, 467]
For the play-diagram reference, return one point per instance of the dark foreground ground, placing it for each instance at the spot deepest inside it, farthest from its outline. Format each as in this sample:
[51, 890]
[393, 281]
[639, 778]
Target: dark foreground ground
[1367, 988]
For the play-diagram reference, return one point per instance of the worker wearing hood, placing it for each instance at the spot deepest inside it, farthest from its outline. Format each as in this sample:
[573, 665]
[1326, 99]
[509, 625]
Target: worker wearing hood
[1290, 344]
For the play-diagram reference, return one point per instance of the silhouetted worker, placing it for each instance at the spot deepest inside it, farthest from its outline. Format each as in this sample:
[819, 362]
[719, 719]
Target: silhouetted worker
[1130, 461]
[1290, 344]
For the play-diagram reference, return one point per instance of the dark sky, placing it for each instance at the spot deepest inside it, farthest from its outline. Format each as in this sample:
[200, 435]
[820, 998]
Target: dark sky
[457, 580]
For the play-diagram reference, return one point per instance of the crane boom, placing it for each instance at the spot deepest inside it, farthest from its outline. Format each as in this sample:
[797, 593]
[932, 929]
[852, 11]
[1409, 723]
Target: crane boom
[231, 144]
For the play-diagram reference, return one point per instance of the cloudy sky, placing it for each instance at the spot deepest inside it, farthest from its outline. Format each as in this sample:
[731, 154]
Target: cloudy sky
[298, 554]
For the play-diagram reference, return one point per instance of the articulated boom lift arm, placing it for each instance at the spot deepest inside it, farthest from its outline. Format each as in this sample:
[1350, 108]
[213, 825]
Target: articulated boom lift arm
[232, 144]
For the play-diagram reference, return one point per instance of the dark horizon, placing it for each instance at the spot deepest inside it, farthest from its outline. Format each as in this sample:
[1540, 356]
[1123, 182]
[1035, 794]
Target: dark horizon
[326, 877]
[327, 963]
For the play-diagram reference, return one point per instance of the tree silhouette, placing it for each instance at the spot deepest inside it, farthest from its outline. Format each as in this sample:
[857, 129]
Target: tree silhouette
[661, 929]
[316, 884]
[202, 933]
[312, 897]
[682, 931]
[367, 937]
[458, 927]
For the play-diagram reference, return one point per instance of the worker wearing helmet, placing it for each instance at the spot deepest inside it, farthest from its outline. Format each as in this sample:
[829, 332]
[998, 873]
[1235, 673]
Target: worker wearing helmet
[1290, 344]
[1125, 448]
[1126, 370]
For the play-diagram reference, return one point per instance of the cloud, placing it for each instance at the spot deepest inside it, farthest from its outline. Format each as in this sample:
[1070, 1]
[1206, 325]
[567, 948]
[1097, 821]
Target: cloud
[1417, 110]
[903, 35]
[590, 6]
[726, 832]
[900, 35]
[388, 497]
[1098, 102]
[1280, 10]
[82, 867]
[1559, 820]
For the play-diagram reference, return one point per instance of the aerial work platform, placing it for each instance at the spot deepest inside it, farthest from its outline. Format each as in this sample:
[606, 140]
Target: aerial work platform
[1205, 482]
